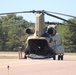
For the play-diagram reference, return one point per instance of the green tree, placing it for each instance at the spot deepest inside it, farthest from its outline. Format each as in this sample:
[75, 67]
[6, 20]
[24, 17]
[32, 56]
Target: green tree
[12, 31]
[68, 34]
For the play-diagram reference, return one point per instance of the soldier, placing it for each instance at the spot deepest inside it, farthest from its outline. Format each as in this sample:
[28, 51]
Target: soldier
[20, 52]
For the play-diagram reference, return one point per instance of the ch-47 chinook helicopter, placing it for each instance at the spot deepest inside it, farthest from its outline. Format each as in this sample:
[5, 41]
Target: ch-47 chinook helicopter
[45, 42]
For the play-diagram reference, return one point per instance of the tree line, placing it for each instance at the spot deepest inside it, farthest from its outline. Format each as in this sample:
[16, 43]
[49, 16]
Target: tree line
[13, 35]
[68, 34]
[12, 32]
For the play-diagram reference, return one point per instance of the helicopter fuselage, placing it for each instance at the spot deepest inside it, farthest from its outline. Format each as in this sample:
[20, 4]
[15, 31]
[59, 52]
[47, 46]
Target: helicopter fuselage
[44, 43]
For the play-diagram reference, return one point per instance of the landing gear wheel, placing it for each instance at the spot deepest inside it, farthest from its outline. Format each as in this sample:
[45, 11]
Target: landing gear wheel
[25, 57]
[60, 57]
[54, 57]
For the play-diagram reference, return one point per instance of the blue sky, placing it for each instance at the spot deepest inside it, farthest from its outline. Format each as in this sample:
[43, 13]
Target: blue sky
[62, 6]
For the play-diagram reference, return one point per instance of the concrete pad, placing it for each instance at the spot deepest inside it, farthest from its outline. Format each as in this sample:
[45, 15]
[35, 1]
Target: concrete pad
[39, 67]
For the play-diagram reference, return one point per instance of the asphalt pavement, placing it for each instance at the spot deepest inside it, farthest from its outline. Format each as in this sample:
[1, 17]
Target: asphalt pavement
[39, 67]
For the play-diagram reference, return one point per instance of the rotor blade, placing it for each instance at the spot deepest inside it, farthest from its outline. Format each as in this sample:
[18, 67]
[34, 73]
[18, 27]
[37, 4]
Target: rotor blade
[33, 11]
[61, 14]
[53, 23]
[57, 23]
[59, 18]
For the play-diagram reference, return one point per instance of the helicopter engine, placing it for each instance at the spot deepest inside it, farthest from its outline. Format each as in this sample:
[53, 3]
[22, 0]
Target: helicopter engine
[29, 31]
[51, 31]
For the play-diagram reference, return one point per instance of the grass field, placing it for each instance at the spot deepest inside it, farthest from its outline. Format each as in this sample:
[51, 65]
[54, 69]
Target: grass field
[8, 57]
[70, 53]
[1, 52]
